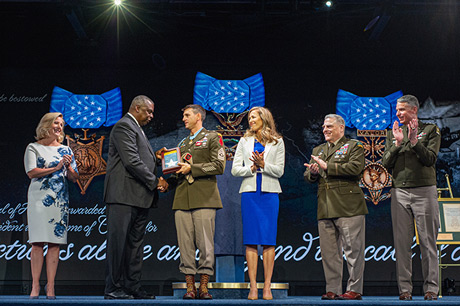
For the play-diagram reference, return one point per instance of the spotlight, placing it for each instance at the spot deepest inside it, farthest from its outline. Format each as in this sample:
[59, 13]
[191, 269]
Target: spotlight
[117, 2]
[328, 3]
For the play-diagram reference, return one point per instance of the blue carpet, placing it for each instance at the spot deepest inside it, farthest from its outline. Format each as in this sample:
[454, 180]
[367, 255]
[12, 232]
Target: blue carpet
[20, 300]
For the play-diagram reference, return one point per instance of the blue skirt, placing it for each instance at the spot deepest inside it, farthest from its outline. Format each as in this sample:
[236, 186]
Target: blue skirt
[260, 216]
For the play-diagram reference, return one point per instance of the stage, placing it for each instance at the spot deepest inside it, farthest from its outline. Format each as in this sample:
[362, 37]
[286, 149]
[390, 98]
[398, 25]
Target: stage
[169, 300]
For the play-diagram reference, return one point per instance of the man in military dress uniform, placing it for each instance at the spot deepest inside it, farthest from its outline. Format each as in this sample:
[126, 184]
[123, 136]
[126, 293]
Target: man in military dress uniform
[197, 199]
[337, 166]
[411, 153]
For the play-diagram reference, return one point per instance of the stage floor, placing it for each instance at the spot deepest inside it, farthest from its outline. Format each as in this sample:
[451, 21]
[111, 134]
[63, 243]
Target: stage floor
[169, 300]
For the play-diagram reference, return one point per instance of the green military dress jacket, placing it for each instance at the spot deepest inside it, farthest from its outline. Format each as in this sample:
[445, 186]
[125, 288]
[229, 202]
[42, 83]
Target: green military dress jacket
[339, 194]
[198, 189]
[413, 166]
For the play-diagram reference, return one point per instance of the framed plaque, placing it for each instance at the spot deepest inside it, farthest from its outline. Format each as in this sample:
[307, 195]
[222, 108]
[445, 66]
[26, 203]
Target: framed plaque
[449, 213]
[169, 160]
[449, 217]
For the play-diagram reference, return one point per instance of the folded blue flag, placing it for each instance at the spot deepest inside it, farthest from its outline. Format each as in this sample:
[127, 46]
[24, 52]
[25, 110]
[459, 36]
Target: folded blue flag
[87, 111]
[228, 96]
[367, 113]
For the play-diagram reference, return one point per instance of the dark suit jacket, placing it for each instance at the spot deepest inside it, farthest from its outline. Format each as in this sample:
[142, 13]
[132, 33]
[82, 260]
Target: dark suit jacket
[131, 167]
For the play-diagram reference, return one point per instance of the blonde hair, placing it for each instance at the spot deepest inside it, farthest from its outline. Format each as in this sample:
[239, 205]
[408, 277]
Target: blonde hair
[268, 131]
[43, 128]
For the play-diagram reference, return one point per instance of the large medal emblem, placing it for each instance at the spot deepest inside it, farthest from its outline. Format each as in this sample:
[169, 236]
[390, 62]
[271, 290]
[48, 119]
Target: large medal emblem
[229, 101]
[87, 111]
[88, 156]
[375, 177]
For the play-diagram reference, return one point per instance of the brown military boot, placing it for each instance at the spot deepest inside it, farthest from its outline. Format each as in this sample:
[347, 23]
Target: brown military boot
[191, 289]
[203, 290]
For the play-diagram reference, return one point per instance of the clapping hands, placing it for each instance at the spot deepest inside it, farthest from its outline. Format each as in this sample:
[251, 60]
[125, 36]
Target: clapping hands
[412, 131]
[314, 168]
[65, 161]
[258, 160]
[397, 133]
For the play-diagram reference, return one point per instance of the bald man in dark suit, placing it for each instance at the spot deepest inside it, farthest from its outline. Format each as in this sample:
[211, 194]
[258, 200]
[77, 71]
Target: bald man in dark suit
[130, 189]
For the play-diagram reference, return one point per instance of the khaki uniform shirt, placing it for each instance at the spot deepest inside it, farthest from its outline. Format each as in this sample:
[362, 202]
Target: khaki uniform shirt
[413, 166]
[339, 194]
[198, 189]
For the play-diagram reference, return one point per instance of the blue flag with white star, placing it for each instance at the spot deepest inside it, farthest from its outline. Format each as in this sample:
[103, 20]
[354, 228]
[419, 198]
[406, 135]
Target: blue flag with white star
[228, 96]
[87, 111]
[367, 113]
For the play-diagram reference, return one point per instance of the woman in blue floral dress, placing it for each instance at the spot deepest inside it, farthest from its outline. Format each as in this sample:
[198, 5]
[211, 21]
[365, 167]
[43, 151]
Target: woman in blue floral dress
[48, 164]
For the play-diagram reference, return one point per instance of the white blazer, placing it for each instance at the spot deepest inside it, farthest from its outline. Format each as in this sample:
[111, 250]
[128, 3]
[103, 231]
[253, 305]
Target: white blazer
[274, 165]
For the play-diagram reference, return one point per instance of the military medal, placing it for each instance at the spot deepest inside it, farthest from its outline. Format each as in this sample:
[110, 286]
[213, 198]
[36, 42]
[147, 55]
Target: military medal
[419, 136]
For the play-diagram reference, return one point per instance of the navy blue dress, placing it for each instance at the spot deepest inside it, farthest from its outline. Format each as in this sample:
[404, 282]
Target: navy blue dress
[260, 213]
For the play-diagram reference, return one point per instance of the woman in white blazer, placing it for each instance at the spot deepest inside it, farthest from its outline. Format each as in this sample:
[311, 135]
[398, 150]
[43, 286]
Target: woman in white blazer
[259, 159]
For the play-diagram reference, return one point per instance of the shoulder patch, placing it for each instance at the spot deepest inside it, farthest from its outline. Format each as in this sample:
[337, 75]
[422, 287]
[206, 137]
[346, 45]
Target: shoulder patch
[221, 154]
[358, 142]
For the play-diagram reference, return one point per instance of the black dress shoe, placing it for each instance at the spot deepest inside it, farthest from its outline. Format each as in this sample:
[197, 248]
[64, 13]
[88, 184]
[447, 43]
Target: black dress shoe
[142, 295]
[118, 294]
